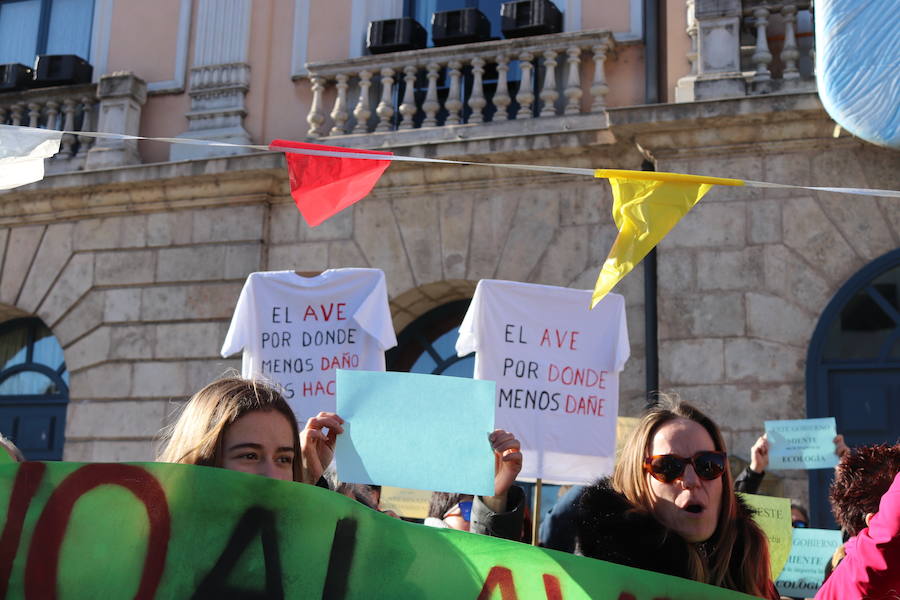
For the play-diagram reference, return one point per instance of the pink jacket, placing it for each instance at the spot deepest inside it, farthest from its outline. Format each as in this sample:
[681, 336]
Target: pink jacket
[871, 568]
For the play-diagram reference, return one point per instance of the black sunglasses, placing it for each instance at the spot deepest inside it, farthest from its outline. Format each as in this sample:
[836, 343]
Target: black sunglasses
[667, 468]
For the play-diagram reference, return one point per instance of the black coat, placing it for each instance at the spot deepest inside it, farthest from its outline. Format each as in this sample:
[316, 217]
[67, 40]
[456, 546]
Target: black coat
[609, 528]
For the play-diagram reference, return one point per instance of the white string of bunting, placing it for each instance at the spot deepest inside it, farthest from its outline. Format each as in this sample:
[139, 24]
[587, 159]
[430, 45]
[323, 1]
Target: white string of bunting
[350, 153]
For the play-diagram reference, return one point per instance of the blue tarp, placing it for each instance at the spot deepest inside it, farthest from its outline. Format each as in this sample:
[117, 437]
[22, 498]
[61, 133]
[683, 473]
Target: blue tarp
[858, 66]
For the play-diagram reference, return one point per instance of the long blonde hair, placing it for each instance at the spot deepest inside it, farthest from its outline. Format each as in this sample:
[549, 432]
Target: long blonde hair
[197, 436]
[738, 553]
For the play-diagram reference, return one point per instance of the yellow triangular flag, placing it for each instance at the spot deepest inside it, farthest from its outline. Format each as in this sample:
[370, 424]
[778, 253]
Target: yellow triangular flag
[646, 206]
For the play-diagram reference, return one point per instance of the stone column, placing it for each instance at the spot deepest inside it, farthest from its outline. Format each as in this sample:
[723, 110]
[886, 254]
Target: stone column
[219, 79]
[718, 26]
[121, 96]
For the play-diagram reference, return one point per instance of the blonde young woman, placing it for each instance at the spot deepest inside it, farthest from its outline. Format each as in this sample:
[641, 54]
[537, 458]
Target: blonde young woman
[670, 507]
[245, 425]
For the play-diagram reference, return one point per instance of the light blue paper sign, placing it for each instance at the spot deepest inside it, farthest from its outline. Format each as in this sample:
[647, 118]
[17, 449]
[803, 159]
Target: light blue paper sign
[424, 432]
[802, 444]
[805, 568]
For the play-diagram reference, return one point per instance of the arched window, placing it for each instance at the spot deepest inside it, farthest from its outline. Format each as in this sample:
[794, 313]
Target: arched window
[34, 388]
[428, 344]
[853, 366]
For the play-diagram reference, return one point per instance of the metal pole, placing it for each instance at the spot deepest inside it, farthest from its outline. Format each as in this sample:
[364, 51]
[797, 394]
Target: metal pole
[536, 515]
[651, 51]
[651, 318]
[653, 64]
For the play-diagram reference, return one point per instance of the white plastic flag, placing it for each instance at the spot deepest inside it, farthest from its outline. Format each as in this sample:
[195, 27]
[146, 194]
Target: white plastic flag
[22, 154]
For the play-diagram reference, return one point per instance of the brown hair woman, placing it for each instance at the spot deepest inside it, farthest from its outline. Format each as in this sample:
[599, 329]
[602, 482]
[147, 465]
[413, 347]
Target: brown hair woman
[670, 506]
[246, 425]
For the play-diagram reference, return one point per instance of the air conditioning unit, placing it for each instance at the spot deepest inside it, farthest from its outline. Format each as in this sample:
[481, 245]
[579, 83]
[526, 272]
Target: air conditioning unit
[395, 35]
[15, 76]
[529, 17]
[61, 69]
[462, 26]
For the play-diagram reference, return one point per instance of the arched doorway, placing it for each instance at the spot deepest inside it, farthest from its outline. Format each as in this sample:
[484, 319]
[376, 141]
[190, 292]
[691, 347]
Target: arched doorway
[34, 388]
[853, 367]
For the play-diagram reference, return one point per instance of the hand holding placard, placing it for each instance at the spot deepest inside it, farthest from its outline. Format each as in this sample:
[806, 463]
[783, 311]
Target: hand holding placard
[759, 455]
[802, 443]
[507, 459]
[316, 446]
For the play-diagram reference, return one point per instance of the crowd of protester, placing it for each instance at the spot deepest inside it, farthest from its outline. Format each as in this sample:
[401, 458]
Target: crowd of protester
[670, 506]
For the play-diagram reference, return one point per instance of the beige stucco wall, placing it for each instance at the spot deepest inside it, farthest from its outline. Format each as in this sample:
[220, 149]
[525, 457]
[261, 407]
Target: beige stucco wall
[676, 47]
[276, 105]
[329, 31]
[143, 40]
[614, 15]
[137, 270]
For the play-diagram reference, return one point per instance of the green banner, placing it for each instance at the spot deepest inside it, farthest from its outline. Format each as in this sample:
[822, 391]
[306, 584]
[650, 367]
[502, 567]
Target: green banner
[155, 530]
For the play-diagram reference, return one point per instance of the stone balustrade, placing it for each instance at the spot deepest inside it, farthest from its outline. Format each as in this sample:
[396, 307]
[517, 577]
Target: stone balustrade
[494, 81]
[760, 16]
[112, 106]
[748, 47]
[63, 108]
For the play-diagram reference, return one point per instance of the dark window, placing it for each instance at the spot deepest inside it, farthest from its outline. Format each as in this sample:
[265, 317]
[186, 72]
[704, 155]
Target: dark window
[32, 27]
[34, 388]
[867, 328]
[428, 344]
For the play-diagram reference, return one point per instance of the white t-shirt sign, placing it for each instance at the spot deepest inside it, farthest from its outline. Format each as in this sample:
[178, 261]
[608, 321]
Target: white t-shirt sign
[295, 331]
[556, 363]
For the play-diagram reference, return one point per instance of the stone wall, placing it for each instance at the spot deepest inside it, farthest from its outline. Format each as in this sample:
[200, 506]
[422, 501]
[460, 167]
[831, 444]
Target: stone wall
[136, 270]
[745, 276]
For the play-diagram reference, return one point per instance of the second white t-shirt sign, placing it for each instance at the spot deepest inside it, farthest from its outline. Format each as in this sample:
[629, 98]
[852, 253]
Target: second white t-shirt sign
[556, 363]
[295, 331]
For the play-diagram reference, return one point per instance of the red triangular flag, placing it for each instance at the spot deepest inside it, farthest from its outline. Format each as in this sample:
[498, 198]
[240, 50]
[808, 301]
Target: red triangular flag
[323, 186]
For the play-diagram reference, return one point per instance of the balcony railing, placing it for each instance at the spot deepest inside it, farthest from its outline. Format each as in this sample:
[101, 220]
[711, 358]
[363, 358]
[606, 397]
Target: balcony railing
[112, 106]
[748, 47]
[63, 108]
[527, 78]
[779, 22]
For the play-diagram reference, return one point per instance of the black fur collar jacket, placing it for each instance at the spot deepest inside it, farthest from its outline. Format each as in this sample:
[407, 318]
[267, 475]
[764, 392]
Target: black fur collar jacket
[609, 528]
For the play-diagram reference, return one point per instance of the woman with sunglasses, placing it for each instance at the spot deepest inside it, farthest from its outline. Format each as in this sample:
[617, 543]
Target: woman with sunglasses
[670, 507]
